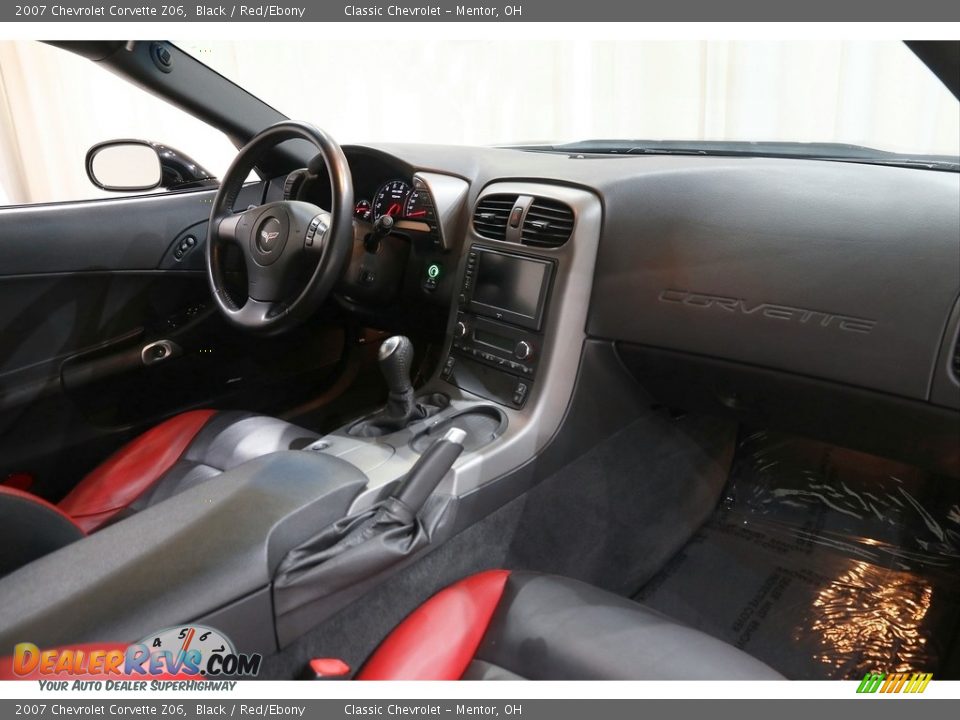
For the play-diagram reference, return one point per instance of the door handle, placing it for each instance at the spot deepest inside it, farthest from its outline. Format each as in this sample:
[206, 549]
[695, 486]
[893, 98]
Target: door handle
[158, 351]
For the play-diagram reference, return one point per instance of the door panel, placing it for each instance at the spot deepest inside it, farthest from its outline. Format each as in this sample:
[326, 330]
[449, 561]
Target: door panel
[84, 288]
[101, 235]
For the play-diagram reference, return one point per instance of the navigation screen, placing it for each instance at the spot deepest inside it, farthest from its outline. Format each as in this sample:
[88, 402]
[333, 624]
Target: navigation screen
[509, 283]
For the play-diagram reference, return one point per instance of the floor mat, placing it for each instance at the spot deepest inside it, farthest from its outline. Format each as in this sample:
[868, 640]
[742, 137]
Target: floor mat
[825, 563]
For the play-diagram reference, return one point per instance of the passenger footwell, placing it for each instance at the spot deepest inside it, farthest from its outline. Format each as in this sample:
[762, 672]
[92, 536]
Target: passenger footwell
[825, 563]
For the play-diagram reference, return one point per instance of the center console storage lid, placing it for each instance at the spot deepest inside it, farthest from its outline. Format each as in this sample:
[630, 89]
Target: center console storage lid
[180, 559]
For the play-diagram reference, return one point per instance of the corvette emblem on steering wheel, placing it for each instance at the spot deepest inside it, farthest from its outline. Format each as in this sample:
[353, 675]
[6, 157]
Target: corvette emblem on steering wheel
[268, 235]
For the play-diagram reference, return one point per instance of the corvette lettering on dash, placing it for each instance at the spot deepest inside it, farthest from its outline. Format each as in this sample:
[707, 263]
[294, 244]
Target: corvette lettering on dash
[770, 311]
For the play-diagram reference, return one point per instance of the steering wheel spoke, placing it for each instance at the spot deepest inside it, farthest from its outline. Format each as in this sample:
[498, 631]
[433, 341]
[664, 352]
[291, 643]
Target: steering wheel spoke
[255, 312]
[318, 233]
[229, 227]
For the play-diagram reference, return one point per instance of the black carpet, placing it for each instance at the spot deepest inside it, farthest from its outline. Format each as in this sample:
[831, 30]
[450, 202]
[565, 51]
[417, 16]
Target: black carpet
[612, 517]
[824, 563]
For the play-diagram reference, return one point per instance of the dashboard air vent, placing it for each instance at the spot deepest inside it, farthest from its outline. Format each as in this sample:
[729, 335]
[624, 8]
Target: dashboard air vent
[548, 223]
[491, 216]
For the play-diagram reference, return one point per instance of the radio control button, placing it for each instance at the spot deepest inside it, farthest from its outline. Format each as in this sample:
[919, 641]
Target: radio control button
[448, 367]
[520, 393]
[523, 351]
[461, 330]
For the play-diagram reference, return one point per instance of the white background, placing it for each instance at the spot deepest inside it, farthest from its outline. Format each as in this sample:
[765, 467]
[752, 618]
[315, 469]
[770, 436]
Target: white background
[474, 90]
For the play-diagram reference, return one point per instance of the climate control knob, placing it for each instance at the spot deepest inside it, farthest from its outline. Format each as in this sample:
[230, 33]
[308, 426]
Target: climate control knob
[523, 351]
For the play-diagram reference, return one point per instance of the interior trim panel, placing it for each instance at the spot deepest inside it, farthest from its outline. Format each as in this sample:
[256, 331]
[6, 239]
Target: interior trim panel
[807, 267]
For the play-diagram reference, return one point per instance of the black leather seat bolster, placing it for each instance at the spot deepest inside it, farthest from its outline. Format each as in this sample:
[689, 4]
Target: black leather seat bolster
[32, 528]
[553, 628]
[228, 440]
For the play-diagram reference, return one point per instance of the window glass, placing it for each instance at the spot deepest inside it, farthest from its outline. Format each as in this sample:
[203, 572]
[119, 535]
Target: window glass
[55, 105]
[876, 94]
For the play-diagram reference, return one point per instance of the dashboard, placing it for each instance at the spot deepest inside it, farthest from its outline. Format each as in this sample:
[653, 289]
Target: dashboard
[839, 274]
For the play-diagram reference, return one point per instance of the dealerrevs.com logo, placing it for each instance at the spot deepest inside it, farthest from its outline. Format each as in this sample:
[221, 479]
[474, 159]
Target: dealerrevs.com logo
[878, 682]
[191, 652]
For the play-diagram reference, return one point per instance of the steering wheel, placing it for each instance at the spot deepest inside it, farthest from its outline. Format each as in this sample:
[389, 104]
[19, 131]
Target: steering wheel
[279, 239]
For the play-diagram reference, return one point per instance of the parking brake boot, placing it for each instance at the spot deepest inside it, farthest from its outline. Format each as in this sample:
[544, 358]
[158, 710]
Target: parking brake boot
[359, 546]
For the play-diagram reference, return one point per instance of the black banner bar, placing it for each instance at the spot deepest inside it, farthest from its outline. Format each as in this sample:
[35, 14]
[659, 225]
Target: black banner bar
[517, 11]
[523, 709]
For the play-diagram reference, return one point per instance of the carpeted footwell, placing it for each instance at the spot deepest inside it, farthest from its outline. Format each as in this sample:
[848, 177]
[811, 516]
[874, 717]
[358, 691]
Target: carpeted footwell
[611, 517]
[824, 563]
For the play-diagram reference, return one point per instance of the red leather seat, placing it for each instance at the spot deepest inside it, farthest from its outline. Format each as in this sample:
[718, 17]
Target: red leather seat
[502, 625]
[167, 459]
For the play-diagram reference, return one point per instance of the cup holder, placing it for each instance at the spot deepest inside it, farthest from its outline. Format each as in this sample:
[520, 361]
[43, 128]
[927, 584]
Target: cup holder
[482, 424]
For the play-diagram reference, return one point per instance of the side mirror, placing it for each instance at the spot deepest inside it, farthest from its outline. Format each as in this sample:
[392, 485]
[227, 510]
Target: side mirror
[139, 165]
[124, 166]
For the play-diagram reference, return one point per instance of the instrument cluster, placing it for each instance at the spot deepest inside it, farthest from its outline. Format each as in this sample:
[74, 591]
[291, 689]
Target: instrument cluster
[402, 201]
[378, 192]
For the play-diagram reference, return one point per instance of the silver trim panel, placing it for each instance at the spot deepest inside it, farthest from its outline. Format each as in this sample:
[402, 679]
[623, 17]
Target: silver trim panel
[387, 459]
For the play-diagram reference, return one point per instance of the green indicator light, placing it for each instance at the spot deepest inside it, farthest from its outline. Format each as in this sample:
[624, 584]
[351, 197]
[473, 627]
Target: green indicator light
[433, 271]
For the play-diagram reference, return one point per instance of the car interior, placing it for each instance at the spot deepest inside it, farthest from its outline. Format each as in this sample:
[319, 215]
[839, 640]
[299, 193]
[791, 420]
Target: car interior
[501, 413]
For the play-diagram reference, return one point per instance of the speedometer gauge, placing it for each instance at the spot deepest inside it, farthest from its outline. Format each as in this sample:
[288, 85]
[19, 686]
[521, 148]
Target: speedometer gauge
[391, 199]
[420, 206]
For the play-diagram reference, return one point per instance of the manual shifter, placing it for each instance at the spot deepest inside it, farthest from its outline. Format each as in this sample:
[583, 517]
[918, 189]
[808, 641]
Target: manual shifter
[396, 359]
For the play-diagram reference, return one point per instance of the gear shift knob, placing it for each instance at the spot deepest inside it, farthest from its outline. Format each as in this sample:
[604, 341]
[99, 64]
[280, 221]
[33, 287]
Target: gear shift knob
[396, 359]
[402, 409]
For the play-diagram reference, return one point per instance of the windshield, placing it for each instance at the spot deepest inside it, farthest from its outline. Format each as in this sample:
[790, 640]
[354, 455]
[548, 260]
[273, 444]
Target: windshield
[872, 94]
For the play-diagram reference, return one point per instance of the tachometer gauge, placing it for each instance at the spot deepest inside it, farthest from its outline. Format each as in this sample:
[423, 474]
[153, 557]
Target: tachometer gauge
[420, 206]
[391, 199]
[362, 210]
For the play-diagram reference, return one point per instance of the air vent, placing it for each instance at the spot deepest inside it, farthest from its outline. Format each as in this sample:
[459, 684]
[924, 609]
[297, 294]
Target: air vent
[491, 216]
[548, 223]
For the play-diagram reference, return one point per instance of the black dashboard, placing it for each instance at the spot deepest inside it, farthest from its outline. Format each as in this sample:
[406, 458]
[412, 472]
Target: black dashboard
[842, 274]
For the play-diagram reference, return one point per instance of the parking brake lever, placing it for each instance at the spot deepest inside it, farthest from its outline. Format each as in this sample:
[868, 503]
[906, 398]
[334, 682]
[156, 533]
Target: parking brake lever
[430, 469]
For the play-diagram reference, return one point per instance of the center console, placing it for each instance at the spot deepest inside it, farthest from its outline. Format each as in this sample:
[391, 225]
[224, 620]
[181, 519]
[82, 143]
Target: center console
[515, 329]
[498, 335]
[514, 337]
